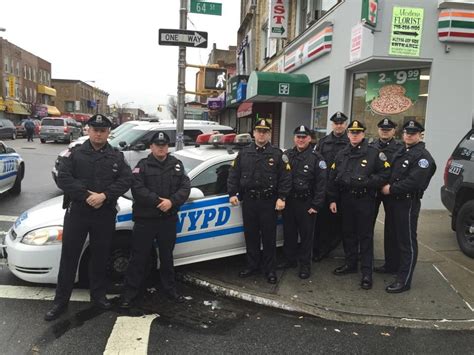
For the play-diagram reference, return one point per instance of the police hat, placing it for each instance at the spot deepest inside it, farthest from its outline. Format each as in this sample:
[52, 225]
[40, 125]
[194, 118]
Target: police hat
[356, 126]
[413, 127]
[338, 117]
[99, 120]
[386, 123]
[160, 138]
[302, 131]
[263, 124]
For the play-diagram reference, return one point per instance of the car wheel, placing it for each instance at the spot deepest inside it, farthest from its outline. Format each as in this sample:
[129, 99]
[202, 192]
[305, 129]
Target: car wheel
[16, 189]
[42, 140]
[13, 135]
[465, 228]
[70, 139]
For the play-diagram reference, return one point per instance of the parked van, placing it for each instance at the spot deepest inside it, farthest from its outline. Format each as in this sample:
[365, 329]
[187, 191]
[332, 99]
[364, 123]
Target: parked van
[59, 129]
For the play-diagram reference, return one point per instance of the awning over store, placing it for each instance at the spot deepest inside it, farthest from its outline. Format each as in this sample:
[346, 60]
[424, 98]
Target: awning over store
[245, 109]
[278, 87]
[53, 111]
[17, 108]
[257, 109]
[43, 89]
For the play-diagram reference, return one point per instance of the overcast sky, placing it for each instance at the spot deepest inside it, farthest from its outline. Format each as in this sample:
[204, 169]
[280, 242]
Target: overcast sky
[115, 43]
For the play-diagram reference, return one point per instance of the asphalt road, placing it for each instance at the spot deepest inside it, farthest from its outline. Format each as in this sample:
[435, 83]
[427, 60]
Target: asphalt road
[205, 323]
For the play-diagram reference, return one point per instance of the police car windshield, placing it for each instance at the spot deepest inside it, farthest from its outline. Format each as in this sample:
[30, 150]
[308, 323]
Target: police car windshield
[130, 137]
[189, 163]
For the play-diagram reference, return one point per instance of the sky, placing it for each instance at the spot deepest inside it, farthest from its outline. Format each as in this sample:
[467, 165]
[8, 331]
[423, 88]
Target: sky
[115, 43]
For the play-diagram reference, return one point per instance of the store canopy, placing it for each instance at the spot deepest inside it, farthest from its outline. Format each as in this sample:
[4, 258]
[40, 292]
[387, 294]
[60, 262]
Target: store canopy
[255, 109]
[53, 111]
[17, 108]
[278, 87]
[43, 89]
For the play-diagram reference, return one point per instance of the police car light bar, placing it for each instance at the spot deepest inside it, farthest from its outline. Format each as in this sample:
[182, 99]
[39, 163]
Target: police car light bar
[216, 139]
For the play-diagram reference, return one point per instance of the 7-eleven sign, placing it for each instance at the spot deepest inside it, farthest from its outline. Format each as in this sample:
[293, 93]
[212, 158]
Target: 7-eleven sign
[369, 12]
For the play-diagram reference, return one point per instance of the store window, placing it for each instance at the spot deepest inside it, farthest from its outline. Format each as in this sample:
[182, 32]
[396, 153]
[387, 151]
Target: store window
[400, 95]
[320, 108]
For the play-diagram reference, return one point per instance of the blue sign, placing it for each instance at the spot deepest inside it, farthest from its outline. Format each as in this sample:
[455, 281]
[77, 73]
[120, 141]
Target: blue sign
[241, 92]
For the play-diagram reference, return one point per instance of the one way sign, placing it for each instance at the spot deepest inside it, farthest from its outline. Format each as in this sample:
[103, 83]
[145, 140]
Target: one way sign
[197, 39]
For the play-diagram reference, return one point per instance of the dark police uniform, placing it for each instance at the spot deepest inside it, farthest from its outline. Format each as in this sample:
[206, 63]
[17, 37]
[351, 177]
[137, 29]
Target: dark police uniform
[155, 179]
[260, 175]
[328, 231]
[389, 148]
[85, 169]
[309, 176]
[412, 170]
[355, 175]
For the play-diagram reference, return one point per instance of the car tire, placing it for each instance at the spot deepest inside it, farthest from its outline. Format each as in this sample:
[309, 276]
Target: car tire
[16, 189]
[13, 135]
[465, 228]
[42, 140]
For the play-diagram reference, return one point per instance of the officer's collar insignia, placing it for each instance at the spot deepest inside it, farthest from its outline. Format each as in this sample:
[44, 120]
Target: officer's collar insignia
[338, 114]
[385, 121]
[177, 167]
[364, 161]
[411, 124]
[285, 159]
[306, 167]
[271, 160]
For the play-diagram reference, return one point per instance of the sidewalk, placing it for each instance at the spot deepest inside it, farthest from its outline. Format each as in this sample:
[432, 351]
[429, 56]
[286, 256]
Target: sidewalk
[442, 294]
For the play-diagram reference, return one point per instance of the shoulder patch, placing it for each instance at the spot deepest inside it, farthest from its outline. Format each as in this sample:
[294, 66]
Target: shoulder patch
[382, 156]
[322, 164]
[423, 163]
[285, 159]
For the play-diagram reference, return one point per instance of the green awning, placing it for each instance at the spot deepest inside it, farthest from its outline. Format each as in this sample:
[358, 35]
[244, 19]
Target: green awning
[278, 87]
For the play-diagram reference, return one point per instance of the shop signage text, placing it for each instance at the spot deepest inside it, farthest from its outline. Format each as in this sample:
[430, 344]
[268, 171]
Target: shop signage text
[278, 27]
[407, 29]
[206, 8]
[11, 86]
[356, 43]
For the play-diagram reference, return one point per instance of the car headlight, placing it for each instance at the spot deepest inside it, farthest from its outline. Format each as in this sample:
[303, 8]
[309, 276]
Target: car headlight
[44, 236]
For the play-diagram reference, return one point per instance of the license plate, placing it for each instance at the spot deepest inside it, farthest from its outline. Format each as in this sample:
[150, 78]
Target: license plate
[455, 168]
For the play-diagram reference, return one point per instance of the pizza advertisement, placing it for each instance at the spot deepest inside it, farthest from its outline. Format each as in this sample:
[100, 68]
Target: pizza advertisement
[392, 92]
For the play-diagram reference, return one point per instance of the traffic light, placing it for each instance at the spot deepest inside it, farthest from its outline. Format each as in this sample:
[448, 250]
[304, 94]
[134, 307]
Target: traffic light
[215, 78]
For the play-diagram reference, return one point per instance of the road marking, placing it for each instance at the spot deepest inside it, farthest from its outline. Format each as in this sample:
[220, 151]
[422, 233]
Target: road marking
[39, 293]
[130, 335]
[454, 288]
[4, 218]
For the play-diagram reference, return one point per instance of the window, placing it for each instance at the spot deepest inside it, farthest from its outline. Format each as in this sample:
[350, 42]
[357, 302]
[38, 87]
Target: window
[310, 11]
[17, 69]
[26, 94]
[34, 75]
[24, 71]
[213, 180]
[29, 73]
[69, 106]
[5, 63]
[320, 108]
[264, 42]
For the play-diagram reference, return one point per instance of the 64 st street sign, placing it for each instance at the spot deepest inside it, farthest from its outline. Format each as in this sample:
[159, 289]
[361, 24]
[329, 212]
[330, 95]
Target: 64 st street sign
[168, 37]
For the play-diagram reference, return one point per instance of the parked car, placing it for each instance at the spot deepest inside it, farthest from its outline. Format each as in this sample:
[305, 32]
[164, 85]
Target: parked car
[21, 131]
[457, 193]
[12, 169]
[7, 129]
[59, 129]
[208, 226]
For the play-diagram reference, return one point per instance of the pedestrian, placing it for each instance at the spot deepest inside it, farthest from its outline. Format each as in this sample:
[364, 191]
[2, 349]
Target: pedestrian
[93, 176]
[357, 172]
[388, 145]
[160, 187]
[328, 231]
[306, 199]
[412, 170]
[260, 176]
[30, 129]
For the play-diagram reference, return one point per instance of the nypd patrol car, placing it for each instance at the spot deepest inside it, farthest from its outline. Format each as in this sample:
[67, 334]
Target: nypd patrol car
[12, 169]
[208, 226]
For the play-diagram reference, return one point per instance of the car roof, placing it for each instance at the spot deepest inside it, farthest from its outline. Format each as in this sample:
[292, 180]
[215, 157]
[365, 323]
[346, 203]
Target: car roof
[170, 125]
[204, 153]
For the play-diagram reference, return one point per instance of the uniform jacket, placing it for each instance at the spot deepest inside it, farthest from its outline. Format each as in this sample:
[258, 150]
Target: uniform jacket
[412, 170]
[155, 179]
[259, 168]
[358, 168]
[85, 168]
[309, 173]
[329, 145]
[388, 148]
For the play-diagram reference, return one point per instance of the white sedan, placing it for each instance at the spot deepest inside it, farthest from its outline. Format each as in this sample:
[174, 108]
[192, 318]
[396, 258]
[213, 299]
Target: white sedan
[12, 169]
[208, 226]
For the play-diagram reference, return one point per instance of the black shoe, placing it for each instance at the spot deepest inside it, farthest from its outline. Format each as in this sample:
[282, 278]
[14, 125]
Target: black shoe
[247, 272]
[366, 282]
[287, 265]
[175, 297]
[102, 303]
[55, 312]
[383, 270]
[345, 269]
[271, 278]
[397, 287]
[304, 274]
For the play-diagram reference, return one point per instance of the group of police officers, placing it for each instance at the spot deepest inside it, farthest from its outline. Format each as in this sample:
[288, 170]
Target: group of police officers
[325, 192]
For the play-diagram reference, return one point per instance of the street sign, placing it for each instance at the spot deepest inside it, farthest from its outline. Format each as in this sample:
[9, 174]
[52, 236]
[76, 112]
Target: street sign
[206, 8]
[197, 39]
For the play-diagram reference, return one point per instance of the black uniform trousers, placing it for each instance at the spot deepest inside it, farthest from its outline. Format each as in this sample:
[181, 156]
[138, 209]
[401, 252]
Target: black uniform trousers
[327, 232]
[358, 231]
[297, 220]
[29, 134]
[80, 221]
[404, 220]
[390, 245]
[260, 222]
[145, 231]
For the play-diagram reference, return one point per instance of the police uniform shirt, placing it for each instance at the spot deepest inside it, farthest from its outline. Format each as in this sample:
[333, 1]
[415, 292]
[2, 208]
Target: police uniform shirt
[388, 148]
[412, 170]
[329, 145]
[154, 179]
[309, 173]
[84, 168]
[260, 168]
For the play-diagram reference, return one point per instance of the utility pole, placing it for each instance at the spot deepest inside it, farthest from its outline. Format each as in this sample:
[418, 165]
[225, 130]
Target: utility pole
[183, 11]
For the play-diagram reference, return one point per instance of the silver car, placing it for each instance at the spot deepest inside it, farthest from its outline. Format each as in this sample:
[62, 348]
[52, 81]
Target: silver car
[59, 129]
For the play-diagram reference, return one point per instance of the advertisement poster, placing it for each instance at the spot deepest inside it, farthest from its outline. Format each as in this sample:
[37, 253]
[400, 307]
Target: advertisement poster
[356, 43]
[407, 28]
[392, 92]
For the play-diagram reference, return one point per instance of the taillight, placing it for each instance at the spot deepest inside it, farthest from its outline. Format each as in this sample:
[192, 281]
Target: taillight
[66, 129]
[446, 171]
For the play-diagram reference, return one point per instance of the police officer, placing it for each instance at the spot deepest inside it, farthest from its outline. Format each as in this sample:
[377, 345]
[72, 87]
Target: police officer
[93, 176]
[261, 177]
[307, 197]
[413, 168]
[328, 231]
[160, 187]
[388, 146]
[357, 172]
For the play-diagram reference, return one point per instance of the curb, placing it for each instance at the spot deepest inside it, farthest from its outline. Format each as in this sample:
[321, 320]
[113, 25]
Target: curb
[327, 313]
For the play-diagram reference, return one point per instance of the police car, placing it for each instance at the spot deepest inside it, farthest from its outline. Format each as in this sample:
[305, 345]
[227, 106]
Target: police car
[12, 169]
[208, 226]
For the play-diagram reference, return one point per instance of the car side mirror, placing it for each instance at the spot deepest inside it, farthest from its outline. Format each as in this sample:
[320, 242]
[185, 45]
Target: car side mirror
[138, 146]
[122, 144]
[9, 150]
[195, 194]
